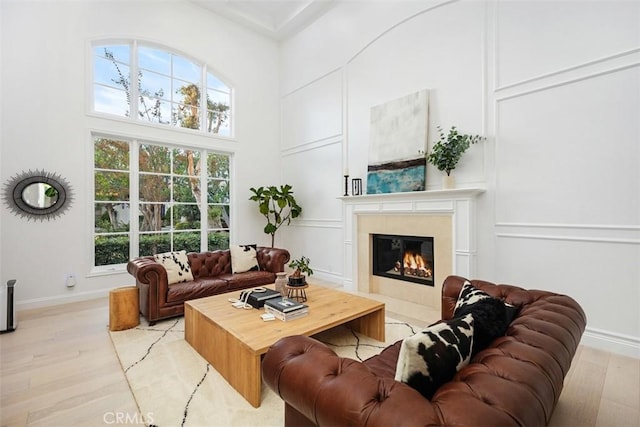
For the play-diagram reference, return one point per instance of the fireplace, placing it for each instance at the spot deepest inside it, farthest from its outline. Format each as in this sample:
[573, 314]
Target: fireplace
[408, 258]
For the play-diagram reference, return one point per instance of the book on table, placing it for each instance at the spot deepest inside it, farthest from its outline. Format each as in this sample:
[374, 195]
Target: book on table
[285, 305]
[285, 308]
[257, 298]
[286, 316]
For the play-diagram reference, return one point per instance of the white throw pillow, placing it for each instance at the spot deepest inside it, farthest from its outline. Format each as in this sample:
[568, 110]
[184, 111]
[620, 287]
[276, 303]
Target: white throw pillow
[177, 266]
[243, 258]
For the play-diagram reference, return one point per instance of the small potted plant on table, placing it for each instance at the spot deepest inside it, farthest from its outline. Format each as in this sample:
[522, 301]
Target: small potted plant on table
[300, 266]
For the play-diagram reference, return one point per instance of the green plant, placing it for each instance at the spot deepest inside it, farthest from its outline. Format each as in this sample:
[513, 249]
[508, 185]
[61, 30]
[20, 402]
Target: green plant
[278, 205]
[300, 266]
[448, 150]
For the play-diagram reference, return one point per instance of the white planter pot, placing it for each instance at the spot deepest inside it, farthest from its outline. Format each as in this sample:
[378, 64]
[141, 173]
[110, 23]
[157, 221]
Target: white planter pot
[448, 182]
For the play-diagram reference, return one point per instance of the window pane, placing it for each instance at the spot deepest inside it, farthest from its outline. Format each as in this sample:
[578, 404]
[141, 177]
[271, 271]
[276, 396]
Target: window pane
[111, 154]
[109, 72]
[154, 110]
[215, 83]
[217, 117]
[187, 116]
[151, 244]
[186, 189]
[217, 217]
[189, 242]
[219, 125]
[185, 69]
[111, 217]
[154, 158]
[111, 249]
[155, 85]
[186, 162]
[217, 191]
[152, 217]
[186, 217]
[217, 165]
[154, 59]
[113, 186]
[219, 97]
[119, 53]
[218, 240]
[154, 188]
[110, 101]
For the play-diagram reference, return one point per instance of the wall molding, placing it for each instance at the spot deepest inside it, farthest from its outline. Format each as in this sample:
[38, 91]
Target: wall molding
[312, 145]
[311, 82]
[593, 233]
[611, 342]
[60, 299]
[545, 76]
[527, 90]
[317, 223]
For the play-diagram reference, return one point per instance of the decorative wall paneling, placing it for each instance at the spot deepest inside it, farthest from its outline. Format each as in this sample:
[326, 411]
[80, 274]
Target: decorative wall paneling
[567, 186]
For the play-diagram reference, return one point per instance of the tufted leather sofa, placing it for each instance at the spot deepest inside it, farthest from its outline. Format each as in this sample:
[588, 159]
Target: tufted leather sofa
[515, 381]
[211, 276]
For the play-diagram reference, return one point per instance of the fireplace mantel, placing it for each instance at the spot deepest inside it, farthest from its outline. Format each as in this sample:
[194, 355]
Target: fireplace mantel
[456, 204]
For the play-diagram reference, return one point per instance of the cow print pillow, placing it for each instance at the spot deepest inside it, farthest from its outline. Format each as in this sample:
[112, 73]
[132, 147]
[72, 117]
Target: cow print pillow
[491, 315]
[432, 357]
[243, 258]
[177, 266]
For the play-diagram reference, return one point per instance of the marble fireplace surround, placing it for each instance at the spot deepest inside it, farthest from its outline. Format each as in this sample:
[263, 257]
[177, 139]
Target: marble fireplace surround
[446, 215]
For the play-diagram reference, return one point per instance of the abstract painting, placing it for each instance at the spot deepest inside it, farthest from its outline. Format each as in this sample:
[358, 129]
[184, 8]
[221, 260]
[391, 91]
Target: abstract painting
[397, 145]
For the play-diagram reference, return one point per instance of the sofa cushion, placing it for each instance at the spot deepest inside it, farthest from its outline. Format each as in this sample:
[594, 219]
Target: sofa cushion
[491, 315]
[432, 357]
[243, 258]
[249, 279]
[198, 288]
[177, 266]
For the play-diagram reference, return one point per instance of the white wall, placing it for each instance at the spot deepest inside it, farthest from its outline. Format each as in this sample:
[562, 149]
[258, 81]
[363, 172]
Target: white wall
[555, 86]
[44, 124]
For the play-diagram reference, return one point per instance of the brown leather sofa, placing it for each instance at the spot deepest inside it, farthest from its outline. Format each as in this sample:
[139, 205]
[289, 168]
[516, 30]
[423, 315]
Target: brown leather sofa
[211, 276]
[515, 381]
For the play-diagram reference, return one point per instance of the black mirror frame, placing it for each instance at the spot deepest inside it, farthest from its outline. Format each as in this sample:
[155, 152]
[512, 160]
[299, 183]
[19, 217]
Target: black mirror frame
[16, 185]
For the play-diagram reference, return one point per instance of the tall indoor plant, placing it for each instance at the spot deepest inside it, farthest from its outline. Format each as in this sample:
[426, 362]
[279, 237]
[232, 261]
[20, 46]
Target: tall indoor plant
[277, 205]
[449, 148]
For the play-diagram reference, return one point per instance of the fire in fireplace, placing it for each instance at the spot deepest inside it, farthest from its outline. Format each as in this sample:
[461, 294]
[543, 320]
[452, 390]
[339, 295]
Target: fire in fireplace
[408, 258]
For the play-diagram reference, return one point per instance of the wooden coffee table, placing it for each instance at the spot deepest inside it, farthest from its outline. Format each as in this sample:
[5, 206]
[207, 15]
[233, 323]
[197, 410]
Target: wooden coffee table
[233, 340]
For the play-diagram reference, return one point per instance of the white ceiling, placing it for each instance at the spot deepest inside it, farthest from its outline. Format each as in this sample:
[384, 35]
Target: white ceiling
[277, 19]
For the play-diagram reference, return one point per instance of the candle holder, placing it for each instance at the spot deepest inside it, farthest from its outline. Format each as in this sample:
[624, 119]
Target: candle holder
[346, 185]
[356, 186]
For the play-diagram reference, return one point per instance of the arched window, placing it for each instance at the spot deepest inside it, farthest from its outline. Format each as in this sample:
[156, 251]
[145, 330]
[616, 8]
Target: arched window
[159, 195]
[152, 84]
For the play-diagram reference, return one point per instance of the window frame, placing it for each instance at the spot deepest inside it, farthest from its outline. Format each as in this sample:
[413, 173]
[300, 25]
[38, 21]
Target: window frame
[134, 200]
[205, 70]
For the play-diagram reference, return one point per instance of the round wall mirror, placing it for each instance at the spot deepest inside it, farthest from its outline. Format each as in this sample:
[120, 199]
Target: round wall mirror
[37, 195]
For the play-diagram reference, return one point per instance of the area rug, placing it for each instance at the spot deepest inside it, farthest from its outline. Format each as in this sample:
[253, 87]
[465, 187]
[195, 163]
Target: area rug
[174, 386]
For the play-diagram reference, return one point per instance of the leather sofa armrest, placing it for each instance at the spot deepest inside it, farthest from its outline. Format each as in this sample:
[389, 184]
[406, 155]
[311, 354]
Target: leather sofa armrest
[330, 390]
[151, 277]
[272, 259]
[146, 270]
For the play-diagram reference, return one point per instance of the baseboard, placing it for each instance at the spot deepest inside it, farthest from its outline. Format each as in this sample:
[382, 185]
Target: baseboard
[59, 300]
[625, 345]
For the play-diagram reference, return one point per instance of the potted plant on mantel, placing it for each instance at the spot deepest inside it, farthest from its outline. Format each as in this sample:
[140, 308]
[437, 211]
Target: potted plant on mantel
[300, 266]
[278, 205]
[448, 150]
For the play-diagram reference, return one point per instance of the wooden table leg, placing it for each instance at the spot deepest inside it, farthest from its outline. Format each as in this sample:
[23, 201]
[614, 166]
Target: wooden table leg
[230, 357]
[371, 325]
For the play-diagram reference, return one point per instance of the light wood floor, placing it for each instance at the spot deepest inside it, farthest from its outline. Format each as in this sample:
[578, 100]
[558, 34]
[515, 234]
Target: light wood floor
[59, 369]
